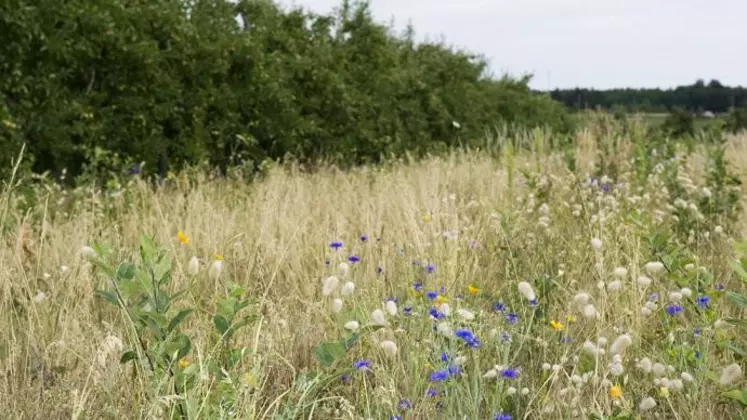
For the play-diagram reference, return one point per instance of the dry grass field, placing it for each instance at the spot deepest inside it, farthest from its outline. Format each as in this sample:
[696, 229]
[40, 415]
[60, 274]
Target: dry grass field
[461, 286]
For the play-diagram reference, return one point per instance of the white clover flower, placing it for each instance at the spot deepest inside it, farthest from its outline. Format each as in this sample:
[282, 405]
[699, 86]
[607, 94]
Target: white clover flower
[39, 297]
[690, 267]
[389, 347]
[336, 305]
[596, 244]
[645, 311]
[718, 230]
[64, 269]
[330, 284]
[654, 267]
[391, 307]
[465, 314]
[706, 192]
[589, 347]
[546, 366]
[676, 384]
[620, 272]
[444, 328]
[675, 297]
[590, 311]
[621, 343]
[352, 326]
[215, 269]
[602, 341]
[687, 377]
[511, 391]
[492, 373]
[193, 266]
[347, 289]
[686, 292]
[647, 404]
[581, 298]
[87, 252]
[644, 282]
[659, 369]
[526, 290]
[614, 286]
[343, 269]
[378, 318]
[445, 309]
[730, 374]
[616, 369]
[524, 391]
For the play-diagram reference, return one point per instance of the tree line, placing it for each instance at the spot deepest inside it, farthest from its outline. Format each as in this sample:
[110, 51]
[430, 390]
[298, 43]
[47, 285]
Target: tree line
[700, 97]
[103, 84]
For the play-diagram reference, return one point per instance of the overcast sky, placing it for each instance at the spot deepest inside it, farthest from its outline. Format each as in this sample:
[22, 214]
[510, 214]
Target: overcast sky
[587, 43]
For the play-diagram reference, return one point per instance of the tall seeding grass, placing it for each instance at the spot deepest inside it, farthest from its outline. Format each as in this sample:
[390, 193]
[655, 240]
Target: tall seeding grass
[599, 282]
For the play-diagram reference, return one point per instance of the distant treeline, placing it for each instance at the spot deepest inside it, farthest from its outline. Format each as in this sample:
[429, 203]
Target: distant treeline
[698, 97]
[97, 85]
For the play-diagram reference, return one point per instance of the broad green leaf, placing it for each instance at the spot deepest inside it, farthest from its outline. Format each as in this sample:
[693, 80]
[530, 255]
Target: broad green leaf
[220, 324]
[738, 298]
[127, 356]
[730, 345]
[181, 316]
[328, 353]
[125, 271]
[109, 296]
[737, 395]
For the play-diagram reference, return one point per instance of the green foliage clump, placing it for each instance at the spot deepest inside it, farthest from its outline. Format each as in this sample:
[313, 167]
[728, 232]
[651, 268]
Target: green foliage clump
[97, 86]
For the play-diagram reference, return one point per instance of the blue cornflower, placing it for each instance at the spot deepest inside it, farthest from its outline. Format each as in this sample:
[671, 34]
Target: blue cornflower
[430, 268]
[502, 416]
[697, 354]
[697, 332]
[674, 309]
[439, 375]
[719, 287]
[379, 270]
[354, 259]
[431, 392]
[394, 299]
[418, 287]
[606, 187]
[454, 370]
[444, 357]
[505, 337]
[431, 295]
[703, 301]
[533, 302]
[469, 338]
[362, 365]
[404, 404]
[363, 238]
[335, 244]
[407, 310]
[511, 318]
[510, 373]
[395, 417]
[499, 307]
[345, 378]
[436, 314]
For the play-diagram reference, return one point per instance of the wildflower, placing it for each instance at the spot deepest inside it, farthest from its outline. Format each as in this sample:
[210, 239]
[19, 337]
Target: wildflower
[524, 391]
[686, 292]
[379, 270]
[430, 392]
[336, 305]
[644, 282]
[676, 384]
[444, 328]
[546, 366]
[499, 307]
[647, 404]
[659, 369]
[418, 287]
[465, 314]
[674, 309]
[441, 299]
[445, 309]
[391, 307]
[526, 290]
[64, 269]
[193, 266]
[215, 269]
[352, 326]
[596, 244]
[363, 238]
[404, 404]
[347, 289]
[510, 391]
[439, 375]
[508, 373]
[335, 245]
[407, 310]
[557, 326]
[39, 297]
[182, 238]
[675, 296]
[430, 268]
[687, 377]
[468, 337]
[330, 284]
[362, 365]
[697, 332]
[511, 318]
[614, 286]
[183, 363]
[88, 252]
[431, 295]
[620, 272]
[702, 301]
[590, 311]
[354, 259]
[377, 318]
[427, 217]
[454, 370]
[730, 374]
[473, 290]
[581, 298]
[620, 344]
[491, 374]
[502, 416]
[389, 347]
[344, 269]
[654, 267]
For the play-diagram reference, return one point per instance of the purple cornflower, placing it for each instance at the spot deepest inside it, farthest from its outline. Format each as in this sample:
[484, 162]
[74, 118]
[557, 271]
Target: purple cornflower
[606, 187]
[468, 337]
[418, 287]
[511, 318]
[654, 297]
[502, 416]
[510, 373]
[404, 404]
[439, 375]
[505, 337]
[379, 270]
[533, 302]
[499, 307]
[454, 370]
[354, 259]
[697, 332]
[436, 314]
[363, 238]
[362, 365]
[407, 310]
[430, 268]
[444, 357]
[719, 287]
[674, 309]
[431, 392]
[702, 301]
[395, 417]
[431, 295]
[394, 299]
[336, 245]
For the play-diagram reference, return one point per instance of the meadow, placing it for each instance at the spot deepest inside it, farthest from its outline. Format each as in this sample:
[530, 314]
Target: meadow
[602, 281]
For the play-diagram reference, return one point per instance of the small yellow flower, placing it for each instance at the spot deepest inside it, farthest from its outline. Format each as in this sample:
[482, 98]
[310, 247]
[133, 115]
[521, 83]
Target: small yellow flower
[557, 326]
[570, 318]
[664, 392]
[219, 257]
[615, 392]
[183, 363]
[182, 238]
[473, 289]
[250, 381]
[427, 217]
[440, 299]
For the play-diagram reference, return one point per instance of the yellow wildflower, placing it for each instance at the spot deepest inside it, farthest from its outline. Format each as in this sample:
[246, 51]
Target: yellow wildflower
[183, 363]
[182, 238]
[570, 318]
[440, 299]
[473, 289]
[219, 257]
[427, 217]
[664, 392]
[557, 326]
[250, 381]
[615, 392]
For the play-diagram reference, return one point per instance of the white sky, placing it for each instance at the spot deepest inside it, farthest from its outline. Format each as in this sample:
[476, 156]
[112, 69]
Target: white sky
[586, 43]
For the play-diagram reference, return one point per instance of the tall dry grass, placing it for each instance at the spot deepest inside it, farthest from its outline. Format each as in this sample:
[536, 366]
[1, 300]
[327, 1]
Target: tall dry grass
[274, 238]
